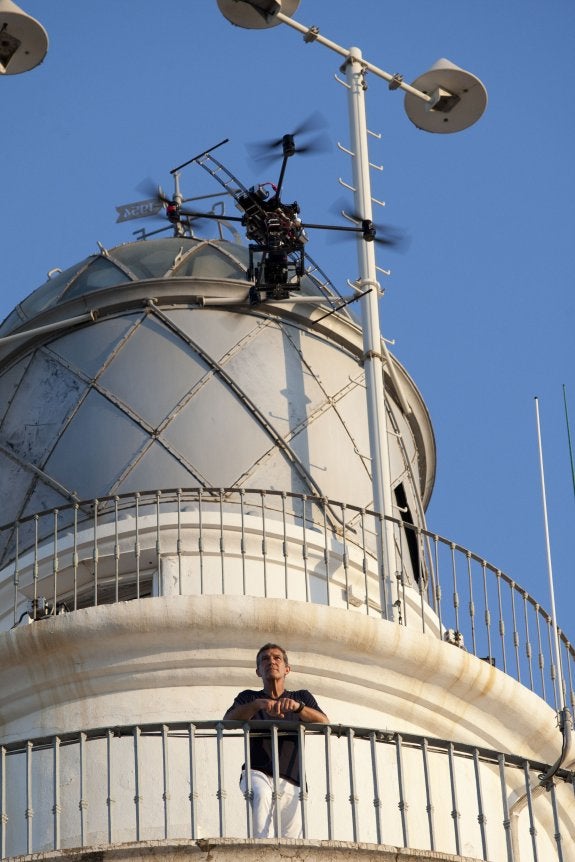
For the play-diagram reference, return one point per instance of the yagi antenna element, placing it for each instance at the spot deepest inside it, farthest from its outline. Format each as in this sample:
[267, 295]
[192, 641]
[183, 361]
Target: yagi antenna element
[23, 40]
[256, 14]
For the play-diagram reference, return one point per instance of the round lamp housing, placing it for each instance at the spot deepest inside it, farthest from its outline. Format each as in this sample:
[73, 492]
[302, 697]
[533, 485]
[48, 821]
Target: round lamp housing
[23, 40]
[256, 14]
[458, 99]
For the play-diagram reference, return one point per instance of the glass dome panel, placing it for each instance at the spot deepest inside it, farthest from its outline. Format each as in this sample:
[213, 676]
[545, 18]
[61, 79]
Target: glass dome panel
[48, 294]
[152, 258]
[211, 262]
[100, 274]
[13, 321]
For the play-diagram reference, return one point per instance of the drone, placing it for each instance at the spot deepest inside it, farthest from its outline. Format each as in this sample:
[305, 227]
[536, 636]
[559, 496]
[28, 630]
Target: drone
[276, 233]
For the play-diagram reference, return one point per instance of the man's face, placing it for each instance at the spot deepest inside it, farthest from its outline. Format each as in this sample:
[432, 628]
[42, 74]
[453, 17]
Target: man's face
[271, 665]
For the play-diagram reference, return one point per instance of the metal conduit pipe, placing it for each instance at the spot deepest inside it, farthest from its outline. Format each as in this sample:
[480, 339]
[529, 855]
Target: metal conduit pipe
[566, 728]
[49, 327]
[545, 780]
[223, 300]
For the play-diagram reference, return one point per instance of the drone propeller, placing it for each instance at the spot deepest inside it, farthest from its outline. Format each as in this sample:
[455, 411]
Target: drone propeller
[174, 211]
[382, 234]
[153, 191]
[314, 123]
[378, 233]
[275, 148]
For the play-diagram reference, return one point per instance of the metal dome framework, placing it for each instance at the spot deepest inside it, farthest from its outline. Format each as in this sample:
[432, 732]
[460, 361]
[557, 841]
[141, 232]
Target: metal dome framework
[172, 258]
[176, 365]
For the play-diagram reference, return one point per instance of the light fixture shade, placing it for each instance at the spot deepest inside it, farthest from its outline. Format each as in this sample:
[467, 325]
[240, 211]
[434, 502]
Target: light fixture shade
[458, 99]
[23, 40]
[256, 14]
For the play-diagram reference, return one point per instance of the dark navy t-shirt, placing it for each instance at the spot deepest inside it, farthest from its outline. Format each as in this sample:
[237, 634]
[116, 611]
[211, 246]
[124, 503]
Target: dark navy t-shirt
[261, 746]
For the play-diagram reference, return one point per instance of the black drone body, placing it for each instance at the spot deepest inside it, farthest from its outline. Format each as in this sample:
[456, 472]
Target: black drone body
[277, 240]
[276, 233]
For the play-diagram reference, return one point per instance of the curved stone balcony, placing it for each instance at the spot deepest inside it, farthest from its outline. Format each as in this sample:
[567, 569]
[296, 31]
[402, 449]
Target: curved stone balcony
[148, 783]
[277, 545]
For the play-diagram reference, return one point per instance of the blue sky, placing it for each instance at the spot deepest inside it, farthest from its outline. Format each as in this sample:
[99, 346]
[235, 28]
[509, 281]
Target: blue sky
[481, 306]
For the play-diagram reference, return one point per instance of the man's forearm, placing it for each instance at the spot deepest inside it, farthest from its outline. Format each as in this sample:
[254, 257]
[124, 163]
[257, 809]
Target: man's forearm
[281, 708]
[242, 712]
[312, 716]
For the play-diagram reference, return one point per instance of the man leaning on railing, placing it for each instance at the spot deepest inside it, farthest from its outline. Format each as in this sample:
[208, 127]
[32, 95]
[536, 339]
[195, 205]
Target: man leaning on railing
[276, 703]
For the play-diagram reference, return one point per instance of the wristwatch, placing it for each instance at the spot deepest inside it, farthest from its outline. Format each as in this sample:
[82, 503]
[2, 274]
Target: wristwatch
[300, 707]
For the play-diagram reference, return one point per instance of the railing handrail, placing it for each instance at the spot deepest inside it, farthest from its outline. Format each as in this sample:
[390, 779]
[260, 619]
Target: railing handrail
[386, 737]
[175, 494]
[455, 592]
[110, 785]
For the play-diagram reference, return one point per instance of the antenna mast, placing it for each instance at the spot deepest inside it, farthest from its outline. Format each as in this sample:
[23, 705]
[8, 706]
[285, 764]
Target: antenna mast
[569, 438]
[446, 99]
[561, 698]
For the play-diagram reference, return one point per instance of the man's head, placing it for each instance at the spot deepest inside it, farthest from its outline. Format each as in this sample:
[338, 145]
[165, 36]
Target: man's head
[272, 662]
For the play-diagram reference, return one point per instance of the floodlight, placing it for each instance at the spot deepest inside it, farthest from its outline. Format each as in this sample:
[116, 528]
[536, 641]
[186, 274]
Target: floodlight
[23, 40]
[457, 99]
[256, 14]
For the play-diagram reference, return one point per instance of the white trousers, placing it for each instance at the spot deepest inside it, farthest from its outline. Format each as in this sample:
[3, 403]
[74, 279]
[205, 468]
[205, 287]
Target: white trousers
[263, 806]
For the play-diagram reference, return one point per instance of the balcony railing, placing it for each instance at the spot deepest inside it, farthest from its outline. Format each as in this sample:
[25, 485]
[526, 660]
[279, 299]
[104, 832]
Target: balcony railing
[276, 544]
[177, 781]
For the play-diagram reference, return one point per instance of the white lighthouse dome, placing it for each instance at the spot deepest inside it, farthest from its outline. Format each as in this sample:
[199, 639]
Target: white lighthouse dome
[179, 381]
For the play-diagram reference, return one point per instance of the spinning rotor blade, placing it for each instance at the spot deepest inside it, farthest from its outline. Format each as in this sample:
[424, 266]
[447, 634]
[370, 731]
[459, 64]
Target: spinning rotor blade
[170, 209]
[382, 234]
[275, 148]
[314, 123]
[379, 233]
[156, 192]
[151, 207]
[161, 207]
[153, 190]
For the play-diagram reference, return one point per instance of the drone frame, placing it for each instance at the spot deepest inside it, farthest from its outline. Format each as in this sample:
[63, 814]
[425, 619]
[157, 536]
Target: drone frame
[276, 233]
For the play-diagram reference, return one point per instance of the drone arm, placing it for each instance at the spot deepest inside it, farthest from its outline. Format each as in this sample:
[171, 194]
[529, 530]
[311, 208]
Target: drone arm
[217, 216]
[281, 176]
[333, 227]
[367, 229]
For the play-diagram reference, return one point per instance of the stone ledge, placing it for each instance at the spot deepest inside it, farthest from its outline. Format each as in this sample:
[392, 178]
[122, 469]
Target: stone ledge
[248, 849]
[95, 668]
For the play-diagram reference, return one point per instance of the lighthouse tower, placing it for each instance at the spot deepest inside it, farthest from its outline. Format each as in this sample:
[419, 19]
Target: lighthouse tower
[188, 471]
[185, 478]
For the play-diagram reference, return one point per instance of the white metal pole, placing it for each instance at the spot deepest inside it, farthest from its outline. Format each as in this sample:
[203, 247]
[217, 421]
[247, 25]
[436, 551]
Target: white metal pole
[549, 565]
[372, 344]
[49, 327]
[312, 34]
[372, 352]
